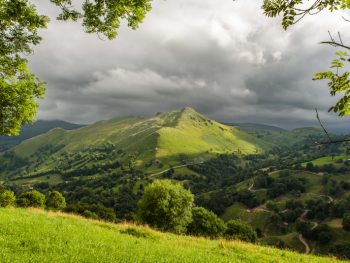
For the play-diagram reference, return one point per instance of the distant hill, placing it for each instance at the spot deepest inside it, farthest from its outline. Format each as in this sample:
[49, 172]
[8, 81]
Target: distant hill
[29, 131]
[33, 237]
[169, 138]
[253, 127]
[281, 137]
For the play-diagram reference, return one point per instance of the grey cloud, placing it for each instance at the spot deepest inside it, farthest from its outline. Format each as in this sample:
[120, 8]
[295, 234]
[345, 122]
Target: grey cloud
[228, 61]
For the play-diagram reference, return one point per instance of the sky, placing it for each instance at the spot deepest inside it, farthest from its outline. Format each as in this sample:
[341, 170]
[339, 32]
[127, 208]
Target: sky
[227, 61]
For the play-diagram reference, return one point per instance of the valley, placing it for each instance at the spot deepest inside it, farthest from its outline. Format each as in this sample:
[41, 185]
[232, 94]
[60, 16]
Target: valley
[291, 190]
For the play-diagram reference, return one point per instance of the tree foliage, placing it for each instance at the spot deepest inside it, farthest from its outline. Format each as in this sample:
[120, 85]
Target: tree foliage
[346, 222]
[205, 223]
[31, 199]
[19, 26]
[167, 206]
[7, 198]
[55, 201]
[292, 11]
[238, 229]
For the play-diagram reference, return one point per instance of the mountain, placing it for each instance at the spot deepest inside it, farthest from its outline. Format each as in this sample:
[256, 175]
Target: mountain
[169, 138]
[34, 237]
[29, 131]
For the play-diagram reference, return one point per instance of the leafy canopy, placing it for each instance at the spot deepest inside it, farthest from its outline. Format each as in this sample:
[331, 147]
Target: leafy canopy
[55, 201]
[31, 199]
[237, 229]
[19, 26]
[7, 198]
[292, 11]
[205, 223]
[167, 206]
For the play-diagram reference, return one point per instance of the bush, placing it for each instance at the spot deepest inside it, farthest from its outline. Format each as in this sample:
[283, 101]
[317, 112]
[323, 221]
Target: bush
[55, 201]
[89, 214]
[341, 250]
[205, 223]
[238, 229]
[167, 206]
[7, 198]
[22, 202]
[31, 199]
[346, 222]
[95, 211]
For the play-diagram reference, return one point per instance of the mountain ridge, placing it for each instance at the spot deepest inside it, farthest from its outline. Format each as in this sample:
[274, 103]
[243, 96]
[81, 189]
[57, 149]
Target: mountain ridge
[169, 138]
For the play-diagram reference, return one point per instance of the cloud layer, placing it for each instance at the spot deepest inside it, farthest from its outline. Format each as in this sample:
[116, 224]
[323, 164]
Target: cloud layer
[226, 60]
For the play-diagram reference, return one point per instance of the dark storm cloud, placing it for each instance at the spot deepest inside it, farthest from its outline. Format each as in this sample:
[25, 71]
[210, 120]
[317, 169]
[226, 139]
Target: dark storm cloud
[228, 61]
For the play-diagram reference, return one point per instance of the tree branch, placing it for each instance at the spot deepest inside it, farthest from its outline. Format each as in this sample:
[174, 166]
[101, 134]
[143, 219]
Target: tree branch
[324, 129]
[336, 44]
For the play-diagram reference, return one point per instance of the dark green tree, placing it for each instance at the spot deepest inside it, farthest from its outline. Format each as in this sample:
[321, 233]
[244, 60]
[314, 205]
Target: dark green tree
[31, 199]
[167, 206]
[237, 229]
[205, 223]
[55, 201]
[346, 222]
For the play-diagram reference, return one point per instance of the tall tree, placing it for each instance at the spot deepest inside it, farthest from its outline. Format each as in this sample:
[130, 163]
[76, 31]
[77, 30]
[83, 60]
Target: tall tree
[293, 11]
[19, 25]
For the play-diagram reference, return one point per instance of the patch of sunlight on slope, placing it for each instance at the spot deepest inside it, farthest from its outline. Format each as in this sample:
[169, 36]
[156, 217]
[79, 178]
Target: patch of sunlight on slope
[195, 134]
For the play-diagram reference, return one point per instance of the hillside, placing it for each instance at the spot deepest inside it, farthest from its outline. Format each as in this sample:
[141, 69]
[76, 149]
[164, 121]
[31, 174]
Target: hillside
[29, 131]
[34, 236]
[319, 198]
[166, 139]
[253, 127]
[288, 138]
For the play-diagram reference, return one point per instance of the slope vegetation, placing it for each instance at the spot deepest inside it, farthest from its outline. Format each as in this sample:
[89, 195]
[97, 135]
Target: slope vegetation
[37, 236]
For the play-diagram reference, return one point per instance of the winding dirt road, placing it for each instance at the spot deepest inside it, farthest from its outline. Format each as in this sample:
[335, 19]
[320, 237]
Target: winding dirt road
[307, 247]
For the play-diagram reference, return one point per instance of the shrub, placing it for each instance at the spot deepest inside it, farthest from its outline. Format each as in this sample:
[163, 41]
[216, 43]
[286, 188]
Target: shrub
[22, 202]
[7, 198]
[31, 199]
[55, 201]
[89, 214]
[95, 211]
[167, 206]
[205, 223]
[346, 222]
[238, 229]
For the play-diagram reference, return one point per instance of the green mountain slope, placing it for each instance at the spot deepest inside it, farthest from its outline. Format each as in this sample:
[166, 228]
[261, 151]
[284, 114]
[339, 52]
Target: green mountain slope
[169, 138]
[253, 127]
[288, 138]
[34, 237]
[29, 131]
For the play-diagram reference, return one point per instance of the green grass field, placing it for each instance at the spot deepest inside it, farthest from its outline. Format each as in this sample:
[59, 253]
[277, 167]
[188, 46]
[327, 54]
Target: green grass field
[329, 160]
[39, 236]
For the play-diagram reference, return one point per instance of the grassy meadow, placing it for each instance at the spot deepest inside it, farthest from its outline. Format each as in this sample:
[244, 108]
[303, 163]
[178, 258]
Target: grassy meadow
[38, 236]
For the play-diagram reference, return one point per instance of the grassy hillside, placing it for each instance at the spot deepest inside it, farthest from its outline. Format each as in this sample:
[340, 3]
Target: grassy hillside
[29, 131]
[318, 187]
[38, 236]
[285, 138]
[253, 127]
[169, 138]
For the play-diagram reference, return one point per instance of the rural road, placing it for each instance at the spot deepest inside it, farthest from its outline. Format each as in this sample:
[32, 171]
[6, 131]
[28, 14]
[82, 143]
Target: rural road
[307, 247]
[251, 187]
[301, 238]
[175, 167]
